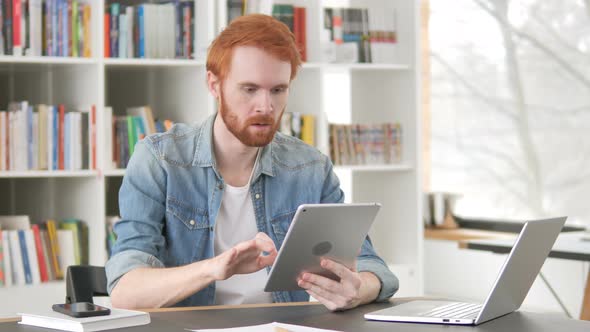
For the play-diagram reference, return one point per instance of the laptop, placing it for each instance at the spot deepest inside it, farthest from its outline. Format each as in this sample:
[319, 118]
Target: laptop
[509, 291]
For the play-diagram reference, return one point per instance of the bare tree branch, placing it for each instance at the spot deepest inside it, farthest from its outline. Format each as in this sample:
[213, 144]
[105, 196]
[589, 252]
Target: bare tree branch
[574, 111]
[535, 42]
[486, 99]
[499, 155]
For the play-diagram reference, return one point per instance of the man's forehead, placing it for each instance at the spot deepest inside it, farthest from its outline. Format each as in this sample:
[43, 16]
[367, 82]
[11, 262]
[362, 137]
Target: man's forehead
[253, 64]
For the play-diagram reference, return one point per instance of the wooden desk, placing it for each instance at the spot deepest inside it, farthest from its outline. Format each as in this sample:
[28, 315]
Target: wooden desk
[314, 315]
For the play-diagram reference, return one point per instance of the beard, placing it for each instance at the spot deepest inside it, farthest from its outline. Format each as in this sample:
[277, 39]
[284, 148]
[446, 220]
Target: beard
[245, 132]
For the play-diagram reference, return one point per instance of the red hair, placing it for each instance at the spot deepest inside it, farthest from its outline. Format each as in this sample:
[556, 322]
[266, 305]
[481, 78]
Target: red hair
[261, 31]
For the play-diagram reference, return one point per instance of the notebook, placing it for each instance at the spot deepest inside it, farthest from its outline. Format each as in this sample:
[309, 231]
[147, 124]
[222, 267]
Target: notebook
[54, 320]
[509, 291]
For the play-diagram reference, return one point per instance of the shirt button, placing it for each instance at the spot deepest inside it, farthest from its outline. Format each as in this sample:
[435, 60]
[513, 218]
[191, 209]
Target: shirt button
[192, 222]
[257, 196]
[220, 187]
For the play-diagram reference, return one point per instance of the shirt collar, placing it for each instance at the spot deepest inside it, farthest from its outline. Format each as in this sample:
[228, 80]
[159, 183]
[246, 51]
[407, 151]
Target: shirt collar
[205, 157]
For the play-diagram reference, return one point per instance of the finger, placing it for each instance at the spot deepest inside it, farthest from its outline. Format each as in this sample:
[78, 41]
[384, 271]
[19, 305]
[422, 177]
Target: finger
[338, 269]
[322, 282]
[265, 243]
[267, 260]
[327, 303]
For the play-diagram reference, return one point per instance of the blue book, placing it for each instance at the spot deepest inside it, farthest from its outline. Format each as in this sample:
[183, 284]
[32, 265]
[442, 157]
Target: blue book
[115, 30]
[25, 256]
[64, 28]
[141, 28]
[55, 136]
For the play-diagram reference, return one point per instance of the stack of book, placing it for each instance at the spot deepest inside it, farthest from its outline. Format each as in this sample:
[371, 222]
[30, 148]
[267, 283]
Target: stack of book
[366, 144]
[46, 27]
[125, 131]
[47, 137]
[150, 30]
[32, 254]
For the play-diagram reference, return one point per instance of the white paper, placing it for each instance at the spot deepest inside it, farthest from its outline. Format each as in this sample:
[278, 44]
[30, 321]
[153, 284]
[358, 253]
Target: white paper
[270, 327]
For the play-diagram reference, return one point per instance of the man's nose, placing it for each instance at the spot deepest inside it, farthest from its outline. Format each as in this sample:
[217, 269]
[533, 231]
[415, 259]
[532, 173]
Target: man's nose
[264, 102]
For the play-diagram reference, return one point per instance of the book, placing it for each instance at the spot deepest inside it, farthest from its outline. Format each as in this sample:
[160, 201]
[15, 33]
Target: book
[2, 282]
[118, 318]
[6, 259]
[67, 246]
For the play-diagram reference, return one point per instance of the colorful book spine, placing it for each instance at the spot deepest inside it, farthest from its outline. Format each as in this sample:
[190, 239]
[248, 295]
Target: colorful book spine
[40, 253]
[52, 231]
[25, 257]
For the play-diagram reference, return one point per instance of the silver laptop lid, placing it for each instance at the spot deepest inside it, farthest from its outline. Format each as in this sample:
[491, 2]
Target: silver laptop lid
[521, 268]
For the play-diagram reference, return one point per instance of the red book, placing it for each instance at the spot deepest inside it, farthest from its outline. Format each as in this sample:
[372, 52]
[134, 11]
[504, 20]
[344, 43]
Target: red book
[300, 27]
[107, 35]
[60, 137]
[16, 25]
[40, 256]
[93, 136]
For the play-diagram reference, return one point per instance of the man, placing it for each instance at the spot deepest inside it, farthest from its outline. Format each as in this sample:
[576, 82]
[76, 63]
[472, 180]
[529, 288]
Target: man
[204, 208]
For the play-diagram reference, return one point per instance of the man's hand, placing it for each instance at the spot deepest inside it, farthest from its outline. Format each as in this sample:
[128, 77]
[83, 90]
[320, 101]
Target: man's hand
[352, 290]
[245, 257]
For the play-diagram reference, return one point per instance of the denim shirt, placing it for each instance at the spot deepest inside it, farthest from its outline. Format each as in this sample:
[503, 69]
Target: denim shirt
[171, 194]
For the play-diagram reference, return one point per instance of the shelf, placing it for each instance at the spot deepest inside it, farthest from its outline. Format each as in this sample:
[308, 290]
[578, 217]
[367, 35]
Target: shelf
[374, 168]
[115, 172]
[114, 62]
[48, 174]
[355, 66]
[46, 60]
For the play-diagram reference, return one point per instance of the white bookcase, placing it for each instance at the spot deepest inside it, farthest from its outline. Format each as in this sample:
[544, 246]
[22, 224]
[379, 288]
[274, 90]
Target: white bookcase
[176, 89]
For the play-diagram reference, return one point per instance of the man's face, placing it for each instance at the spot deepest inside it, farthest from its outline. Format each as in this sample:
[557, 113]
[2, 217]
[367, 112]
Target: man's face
[254, 95]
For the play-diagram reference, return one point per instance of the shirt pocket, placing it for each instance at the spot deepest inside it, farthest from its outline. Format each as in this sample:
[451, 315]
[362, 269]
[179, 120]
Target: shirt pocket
[280, 225]
[187, 233]
[192, 218]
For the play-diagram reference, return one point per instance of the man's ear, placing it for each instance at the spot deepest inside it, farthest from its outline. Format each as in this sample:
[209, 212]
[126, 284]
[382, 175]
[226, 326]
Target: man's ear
[213, 84]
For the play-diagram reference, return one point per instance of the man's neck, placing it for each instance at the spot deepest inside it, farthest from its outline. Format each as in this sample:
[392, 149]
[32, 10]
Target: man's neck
[234, 159]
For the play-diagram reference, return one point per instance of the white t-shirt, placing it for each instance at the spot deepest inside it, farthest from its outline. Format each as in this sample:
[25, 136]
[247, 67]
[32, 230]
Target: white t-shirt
[235, 223]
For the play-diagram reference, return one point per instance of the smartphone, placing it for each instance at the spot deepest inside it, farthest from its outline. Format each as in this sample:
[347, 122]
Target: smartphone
[81, 309]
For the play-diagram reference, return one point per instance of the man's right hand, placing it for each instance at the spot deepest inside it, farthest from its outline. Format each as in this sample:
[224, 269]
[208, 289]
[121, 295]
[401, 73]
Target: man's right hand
[246, 257]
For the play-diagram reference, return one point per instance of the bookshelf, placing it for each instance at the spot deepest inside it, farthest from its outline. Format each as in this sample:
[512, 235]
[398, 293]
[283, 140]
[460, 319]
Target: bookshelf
[346, 93]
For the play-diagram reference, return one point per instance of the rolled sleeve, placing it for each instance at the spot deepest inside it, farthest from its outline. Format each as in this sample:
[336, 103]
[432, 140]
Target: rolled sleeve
[389, 282]
[142, 206]
[126, 261]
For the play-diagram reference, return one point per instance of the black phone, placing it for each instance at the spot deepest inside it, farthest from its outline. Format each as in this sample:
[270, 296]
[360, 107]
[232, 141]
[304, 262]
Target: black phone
[81, 309]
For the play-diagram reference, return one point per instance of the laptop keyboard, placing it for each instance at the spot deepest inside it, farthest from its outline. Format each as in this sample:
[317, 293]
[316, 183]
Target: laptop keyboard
[455, 310]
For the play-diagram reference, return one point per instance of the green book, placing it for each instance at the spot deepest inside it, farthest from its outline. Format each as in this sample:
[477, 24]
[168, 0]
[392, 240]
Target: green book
[132, 136]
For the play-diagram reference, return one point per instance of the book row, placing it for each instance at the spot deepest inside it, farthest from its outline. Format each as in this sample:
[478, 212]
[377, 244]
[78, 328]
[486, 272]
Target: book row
[45, 27]
[149, 30]
[125, 131]
[366, 144]
[47, 137]
[32, 254]
[294, 17]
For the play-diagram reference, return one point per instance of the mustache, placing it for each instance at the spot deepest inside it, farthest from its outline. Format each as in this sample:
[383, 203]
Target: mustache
[265, 119]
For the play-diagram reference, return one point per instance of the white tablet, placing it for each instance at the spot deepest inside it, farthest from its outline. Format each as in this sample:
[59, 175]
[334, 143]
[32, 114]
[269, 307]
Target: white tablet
[334, 231]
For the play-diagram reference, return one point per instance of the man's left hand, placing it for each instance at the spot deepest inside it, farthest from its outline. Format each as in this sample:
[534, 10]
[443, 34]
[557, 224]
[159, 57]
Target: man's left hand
[344, 294]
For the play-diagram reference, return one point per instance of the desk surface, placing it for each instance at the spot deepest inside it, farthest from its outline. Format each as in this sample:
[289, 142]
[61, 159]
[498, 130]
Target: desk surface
[574, 246]
[318, 316]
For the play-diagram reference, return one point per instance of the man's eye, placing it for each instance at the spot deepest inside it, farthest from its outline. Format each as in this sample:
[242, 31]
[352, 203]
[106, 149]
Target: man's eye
[278, 90]
[250, 89]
